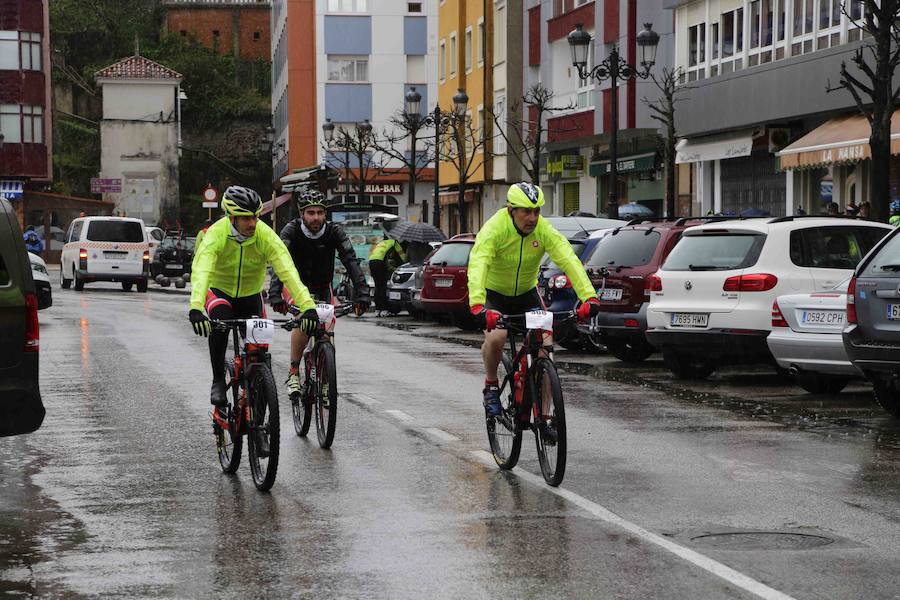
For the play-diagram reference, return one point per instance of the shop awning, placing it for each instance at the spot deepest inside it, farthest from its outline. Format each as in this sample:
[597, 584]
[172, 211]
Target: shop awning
[452, 196]
[720, 147]
[840, 140]
[11, 189]
[267, 205]
[629, 164]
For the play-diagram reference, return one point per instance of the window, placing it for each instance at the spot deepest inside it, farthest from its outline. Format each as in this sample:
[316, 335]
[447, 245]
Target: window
[468, 49]
[715, 252]
[563, 6]
[697, 44]
[500, 122]
[414, 7]
[442, 60]
[627, 248]
[480, 41]
[480, 129]
[833, 247]
[803, 16]
[715, 40]
[453, 55]
[347, 6]
[884, 263]
[33, 124]
[9, 50]
[20, 50]
[256, 36]
[451, 255]
[348, 68]
[215, 33]
[103, 230]
[500, 35]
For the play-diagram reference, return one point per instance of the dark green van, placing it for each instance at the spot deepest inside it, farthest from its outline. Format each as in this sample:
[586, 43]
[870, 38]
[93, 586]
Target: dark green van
[21, 409]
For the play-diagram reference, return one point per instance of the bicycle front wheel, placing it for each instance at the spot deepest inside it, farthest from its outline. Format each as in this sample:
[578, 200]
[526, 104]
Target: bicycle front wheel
[301, 409]
[550, 421]
[326, 393]
[505, 438]
[263, 437]
[229, 445]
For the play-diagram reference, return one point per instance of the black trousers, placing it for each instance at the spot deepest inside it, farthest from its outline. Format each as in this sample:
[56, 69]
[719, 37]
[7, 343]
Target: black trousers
[380, 274]
[219, 305]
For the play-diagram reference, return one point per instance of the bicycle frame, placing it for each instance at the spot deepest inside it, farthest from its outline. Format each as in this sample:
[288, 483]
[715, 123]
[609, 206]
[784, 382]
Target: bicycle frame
[246, 357]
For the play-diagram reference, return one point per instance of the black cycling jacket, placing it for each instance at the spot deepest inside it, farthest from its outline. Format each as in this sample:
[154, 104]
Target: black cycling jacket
[314, 259]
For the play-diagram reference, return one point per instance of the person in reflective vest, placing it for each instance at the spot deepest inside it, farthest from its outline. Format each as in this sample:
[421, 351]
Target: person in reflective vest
[384, 258]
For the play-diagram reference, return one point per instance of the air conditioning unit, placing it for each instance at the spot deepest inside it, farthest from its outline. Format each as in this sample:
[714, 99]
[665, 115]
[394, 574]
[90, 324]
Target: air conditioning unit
[779, 137]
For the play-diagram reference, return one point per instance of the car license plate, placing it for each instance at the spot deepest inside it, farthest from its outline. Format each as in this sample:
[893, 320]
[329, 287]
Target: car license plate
[822, 317]
[115, 254]
[443, 283]
[173, 266]
[394, 295]
[690, 320]
[893, 312]
[610, 294]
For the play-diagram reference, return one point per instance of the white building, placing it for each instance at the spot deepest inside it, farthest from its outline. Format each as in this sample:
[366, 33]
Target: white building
[139, 137]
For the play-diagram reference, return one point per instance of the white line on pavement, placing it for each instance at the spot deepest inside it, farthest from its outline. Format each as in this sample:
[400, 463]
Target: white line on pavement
[704, 562]
[400, 415]
[441, 434]
[364, 399]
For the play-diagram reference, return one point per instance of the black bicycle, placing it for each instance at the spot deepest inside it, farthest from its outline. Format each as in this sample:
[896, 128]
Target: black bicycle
[253, 407]
[531, 396]
[320, 380]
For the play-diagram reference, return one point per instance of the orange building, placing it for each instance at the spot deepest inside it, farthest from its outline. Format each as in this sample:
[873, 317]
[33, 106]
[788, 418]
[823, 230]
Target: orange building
[238, 27]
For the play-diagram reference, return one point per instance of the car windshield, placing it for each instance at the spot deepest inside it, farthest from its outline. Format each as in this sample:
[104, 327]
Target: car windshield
[715, 252]
[451, 255]
[115, 231]
[186, 243]
[577, 247]
[627, 248]
[886, 263]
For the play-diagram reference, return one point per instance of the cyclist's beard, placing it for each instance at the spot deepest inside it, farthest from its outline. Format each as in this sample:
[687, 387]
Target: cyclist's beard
[314, 225]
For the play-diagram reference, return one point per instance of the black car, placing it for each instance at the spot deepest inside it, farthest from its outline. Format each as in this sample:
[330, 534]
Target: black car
[21, 409]
[174, 256]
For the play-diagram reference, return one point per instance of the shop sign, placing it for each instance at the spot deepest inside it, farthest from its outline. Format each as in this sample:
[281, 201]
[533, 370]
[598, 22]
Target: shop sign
[844, 154]
[106, 186]
[11, 189]
[566, 166]
[626, 165]
[371, 188]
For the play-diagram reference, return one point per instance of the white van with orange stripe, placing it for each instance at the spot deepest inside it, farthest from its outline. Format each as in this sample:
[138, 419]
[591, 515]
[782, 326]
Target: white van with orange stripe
[106, 249]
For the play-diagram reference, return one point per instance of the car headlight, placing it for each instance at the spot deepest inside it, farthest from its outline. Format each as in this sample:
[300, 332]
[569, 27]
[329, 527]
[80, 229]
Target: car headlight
[401, 277]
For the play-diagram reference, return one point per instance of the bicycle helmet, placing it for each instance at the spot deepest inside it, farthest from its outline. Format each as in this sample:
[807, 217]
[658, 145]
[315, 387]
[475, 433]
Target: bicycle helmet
[309, 198]
[524, 195]
[895, 207]
[240, 201]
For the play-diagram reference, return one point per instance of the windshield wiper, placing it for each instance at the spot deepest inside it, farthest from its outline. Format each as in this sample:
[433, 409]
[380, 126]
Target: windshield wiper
[703, 267]
[891, 267]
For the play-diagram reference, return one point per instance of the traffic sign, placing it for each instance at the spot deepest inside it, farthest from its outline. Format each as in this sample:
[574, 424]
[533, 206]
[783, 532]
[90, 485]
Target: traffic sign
[210, 197]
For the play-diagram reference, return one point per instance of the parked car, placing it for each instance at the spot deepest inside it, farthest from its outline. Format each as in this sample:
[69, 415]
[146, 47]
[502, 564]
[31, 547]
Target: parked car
[174, 256]
[155, 236]
[106, 249]
[806, 339]
[21, 409]
[575, 226]
[872, 335]
[400, 288]
[711, 302]
[41, 281]
[445, 282]
[618, 266]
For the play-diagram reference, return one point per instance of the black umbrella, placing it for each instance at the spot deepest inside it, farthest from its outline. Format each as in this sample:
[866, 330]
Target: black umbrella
[407, 231]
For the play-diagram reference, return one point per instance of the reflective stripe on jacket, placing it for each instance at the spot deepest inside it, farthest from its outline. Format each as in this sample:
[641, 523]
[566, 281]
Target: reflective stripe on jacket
[239, 268]
[508, 263]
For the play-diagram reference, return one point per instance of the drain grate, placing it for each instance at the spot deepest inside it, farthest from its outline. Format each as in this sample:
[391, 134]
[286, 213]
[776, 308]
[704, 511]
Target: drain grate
[761, 540]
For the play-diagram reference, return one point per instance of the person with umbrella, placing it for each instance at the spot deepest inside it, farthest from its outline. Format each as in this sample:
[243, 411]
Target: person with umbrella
[384, 258]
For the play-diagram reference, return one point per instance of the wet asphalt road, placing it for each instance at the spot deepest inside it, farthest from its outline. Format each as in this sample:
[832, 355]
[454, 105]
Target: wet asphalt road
[120, 494]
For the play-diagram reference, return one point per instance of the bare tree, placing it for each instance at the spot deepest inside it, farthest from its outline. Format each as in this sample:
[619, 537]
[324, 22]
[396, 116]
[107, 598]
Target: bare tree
[524, 137]
[358, 144]
[406, 131]
[663, 110]
[464, 148]
[873, 90]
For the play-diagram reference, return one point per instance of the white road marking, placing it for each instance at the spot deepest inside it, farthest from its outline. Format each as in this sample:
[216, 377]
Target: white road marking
[367, 400]
[730, 575]
[441, 434]
[400, 415]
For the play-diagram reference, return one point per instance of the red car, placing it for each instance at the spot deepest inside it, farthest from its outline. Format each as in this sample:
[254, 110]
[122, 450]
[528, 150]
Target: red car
[445, 288]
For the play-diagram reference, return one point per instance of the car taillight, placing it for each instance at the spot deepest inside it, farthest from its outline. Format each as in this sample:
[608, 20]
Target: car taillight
[82, 259]
[146, 256]
[32, 329]
[559, 282]
[851, 301]
[755, 282]
[632, 323]
[653, 283]
[778, 316]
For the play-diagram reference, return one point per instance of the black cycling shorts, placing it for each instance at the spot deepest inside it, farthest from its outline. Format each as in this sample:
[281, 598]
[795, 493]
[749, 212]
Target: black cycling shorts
[514, 305]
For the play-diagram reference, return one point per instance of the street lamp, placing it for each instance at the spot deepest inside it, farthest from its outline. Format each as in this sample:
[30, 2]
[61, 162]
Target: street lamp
[328, 131]
[613, 68]
[412, 100]
[460, 103]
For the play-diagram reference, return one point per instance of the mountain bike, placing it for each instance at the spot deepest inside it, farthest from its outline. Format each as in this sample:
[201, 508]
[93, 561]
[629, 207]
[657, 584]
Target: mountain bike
[253, 407]
[531, 396]
[320, 384]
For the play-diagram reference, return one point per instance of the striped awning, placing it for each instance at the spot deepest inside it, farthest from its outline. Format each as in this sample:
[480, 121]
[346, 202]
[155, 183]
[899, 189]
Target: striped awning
[10, 189]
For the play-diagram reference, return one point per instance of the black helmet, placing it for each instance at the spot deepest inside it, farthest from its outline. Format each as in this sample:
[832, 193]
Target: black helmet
[308, 198]
[240, 201]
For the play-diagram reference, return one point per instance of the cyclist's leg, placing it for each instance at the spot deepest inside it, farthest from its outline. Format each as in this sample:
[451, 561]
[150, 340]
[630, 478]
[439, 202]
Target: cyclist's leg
[218, 306]
[379, 274]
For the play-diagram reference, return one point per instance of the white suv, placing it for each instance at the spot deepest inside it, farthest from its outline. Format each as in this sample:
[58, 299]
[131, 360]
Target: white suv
[106, 249]
[711, 301]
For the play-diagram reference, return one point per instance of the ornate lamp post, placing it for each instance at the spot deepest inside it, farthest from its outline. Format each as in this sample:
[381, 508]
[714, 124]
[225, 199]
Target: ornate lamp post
[458, 121]
[616, 69]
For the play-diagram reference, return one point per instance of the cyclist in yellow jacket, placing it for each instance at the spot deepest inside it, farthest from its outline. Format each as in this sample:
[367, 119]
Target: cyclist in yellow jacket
[503, 270]
[228, 273]
[384, 258]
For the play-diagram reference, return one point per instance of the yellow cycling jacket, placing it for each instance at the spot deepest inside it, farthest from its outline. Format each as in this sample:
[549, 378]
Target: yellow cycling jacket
[504, 261]
[380, 250]
[239, 269]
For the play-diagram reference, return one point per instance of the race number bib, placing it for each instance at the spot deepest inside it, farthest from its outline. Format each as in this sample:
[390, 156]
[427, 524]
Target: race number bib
[539, 319]
[326, 312]
[260, 331]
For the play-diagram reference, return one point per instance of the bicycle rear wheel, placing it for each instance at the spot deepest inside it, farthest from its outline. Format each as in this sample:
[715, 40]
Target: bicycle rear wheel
[326, 393]
[505, 438]
[228, 445]
[263, 437]
[550, 430]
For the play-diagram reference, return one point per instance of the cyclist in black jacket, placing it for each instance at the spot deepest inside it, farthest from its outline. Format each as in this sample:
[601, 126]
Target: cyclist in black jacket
[312, 241]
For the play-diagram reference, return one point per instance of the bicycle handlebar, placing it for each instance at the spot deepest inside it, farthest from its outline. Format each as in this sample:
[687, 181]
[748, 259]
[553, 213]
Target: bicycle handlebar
[519, 319]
